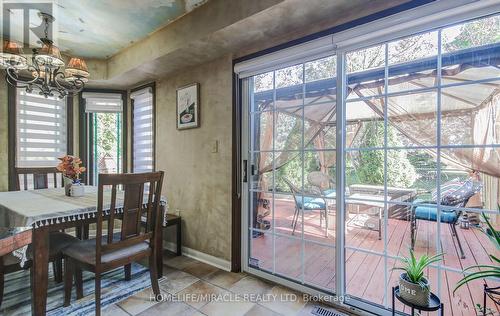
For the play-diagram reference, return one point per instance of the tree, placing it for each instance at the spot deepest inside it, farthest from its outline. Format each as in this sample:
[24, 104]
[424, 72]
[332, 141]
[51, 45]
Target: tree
[370, 167]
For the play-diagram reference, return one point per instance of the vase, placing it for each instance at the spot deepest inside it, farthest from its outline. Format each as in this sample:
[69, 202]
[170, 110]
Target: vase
[77, 189]
[67, 186]
[414, 293]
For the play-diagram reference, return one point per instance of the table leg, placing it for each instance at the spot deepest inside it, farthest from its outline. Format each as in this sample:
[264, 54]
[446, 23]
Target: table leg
[40, 268]
[380, 224]
[393, 304]
[179, 237]
[159, 243]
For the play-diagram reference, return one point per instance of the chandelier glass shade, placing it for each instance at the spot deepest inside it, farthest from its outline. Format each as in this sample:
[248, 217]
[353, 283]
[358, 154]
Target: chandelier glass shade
[46, 74]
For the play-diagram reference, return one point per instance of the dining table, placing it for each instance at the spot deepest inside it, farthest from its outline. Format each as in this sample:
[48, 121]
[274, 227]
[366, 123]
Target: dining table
[48, 210]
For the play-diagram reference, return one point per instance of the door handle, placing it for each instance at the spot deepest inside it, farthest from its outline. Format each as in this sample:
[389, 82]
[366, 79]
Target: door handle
[245, 172]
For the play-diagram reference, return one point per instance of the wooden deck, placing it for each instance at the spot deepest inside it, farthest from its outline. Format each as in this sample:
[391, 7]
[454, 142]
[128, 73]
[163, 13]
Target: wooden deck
[365, 271]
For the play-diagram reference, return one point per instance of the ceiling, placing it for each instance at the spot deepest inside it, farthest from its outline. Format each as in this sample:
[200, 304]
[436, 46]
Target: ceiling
[99, 29]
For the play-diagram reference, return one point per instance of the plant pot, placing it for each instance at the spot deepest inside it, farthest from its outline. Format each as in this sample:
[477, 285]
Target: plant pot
[67, 186]
[414, 293]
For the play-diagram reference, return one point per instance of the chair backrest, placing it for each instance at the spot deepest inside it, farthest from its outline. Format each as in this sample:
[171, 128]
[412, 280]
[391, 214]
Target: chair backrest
[139, 216]
[38, 178]
[319, 179]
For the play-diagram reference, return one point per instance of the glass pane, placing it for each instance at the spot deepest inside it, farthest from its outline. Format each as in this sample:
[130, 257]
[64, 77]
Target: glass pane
[413, 48]
[288, 257]
[363, 223]
[262, 131]
[289, 76]
[261, 210]
[412, 172]
[365, 121]
[470, 114]
[263, 82]
[288, 172]
[478, 165]
[412, 120]
[319, 269]
[365, 276]
[289, 129]
[323, 68]
[365, 59]
[364, 167]
[476, 33]
[399, 228]
[260, 174]
[285, 206]
[107, 143]
[261, 250]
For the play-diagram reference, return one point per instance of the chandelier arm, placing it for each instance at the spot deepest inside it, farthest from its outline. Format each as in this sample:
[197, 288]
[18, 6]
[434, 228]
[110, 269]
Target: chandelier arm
[12, 73]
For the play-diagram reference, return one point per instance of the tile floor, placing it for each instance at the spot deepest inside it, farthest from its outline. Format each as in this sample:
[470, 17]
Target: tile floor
[192, 288]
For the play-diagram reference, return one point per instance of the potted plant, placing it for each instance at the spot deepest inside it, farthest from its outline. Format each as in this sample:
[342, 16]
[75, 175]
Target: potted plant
[413, 286]
[485, 270]
[71, 170]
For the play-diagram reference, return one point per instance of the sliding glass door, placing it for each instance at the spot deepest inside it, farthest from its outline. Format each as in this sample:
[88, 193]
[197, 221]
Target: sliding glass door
[422, 159]
[417, 163]
[291, 155]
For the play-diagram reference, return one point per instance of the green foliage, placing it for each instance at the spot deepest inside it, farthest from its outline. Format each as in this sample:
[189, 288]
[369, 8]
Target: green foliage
[475, 33]
[414, 268]
[484, 270]
[370, 169]
[106, 132]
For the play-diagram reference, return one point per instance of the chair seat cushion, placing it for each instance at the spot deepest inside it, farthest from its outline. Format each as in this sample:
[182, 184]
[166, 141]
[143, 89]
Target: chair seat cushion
[85, 251]
[330, 193]
[429, 212]
[310, 203]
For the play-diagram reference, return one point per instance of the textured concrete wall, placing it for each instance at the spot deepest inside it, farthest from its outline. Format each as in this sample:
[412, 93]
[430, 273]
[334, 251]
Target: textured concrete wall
[197, 181]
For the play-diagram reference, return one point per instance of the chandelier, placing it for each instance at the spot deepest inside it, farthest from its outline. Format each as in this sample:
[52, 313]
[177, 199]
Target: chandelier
[47, 73]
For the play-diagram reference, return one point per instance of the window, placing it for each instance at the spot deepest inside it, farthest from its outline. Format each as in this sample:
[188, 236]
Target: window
[143, 130]
[41, 130]
[105, 123]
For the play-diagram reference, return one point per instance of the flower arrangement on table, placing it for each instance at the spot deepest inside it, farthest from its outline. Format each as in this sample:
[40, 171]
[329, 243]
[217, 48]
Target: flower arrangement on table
[71, 169]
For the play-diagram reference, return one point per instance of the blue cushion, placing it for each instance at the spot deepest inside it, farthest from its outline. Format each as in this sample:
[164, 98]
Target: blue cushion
[429, 212]
[330, 193]
[310, 203]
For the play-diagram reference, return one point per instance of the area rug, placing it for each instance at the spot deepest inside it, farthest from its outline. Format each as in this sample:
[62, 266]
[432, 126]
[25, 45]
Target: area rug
[114, 288]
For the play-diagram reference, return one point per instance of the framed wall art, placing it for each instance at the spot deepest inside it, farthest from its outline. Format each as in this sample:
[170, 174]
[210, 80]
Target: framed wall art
[188, 106]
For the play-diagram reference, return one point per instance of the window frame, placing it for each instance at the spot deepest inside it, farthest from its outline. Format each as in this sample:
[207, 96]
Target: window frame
[152, 86]
[85, 138]
[12, 135]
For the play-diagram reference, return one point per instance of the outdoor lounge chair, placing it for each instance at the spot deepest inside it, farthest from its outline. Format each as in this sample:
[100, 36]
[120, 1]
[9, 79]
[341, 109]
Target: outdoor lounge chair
[427, 210]
[308, 201]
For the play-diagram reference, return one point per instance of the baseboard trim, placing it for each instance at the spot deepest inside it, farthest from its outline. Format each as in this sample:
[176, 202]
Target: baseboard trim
[200, 256]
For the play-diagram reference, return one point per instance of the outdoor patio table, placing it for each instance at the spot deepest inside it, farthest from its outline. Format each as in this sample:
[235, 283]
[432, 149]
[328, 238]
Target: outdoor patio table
[370, 200]
[49, 210]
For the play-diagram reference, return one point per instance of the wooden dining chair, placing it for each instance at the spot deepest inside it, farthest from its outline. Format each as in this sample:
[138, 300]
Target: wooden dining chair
[38, 178]
[132, 241]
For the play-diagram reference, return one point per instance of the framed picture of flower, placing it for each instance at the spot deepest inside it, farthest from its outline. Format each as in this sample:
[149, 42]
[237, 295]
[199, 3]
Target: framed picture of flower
[188, 106]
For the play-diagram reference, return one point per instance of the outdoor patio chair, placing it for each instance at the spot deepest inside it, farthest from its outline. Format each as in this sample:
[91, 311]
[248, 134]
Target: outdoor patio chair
[308, 201]
[322, 182]
[427, 210]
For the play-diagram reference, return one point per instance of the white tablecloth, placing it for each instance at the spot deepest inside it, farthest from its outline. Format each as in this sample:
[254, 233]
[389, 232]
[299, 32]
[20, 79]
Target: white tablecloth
[51, 206]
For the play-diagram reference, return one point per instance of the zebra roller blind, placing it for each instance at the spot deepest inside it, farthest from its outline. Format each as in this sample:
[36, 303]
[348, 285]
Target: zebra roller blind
[143, 151]
[41, 127]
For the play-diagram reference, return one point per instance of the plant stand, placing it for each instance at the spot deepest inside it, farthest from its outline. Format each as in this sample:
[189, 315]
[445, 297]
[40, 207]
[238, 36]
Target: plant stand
[434, 304]
[493, 293]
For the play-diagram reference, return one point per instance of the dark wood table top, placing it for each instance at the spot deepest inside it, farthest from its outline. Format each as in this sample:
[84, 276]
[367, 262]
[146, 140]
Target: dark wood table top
[14, 238]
